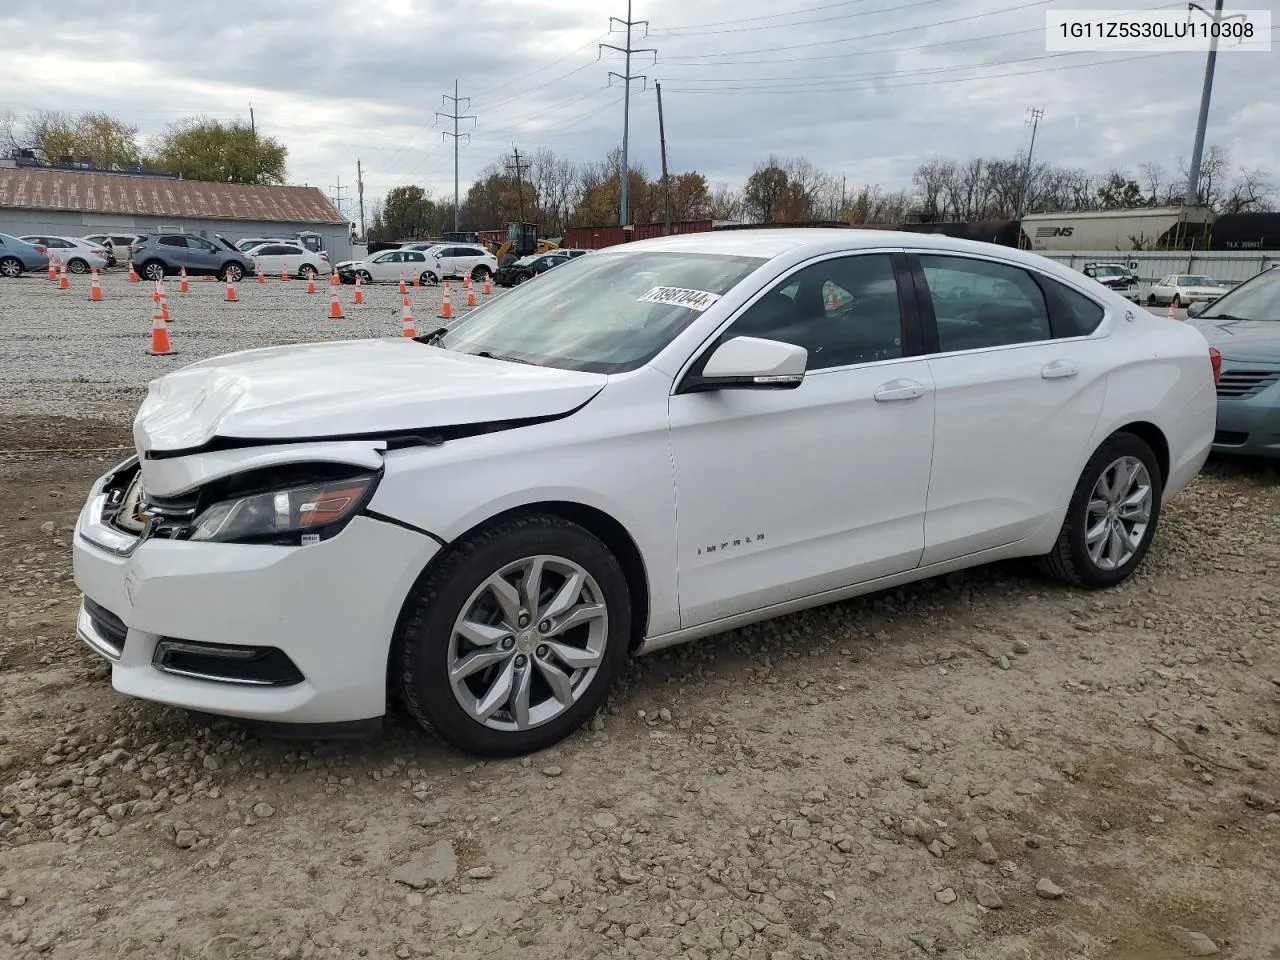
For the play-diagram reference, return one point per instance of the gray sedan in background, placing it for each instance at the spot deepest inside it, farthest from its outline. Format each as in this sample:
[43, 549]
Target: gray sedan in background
[1243, 326]
[18, 256]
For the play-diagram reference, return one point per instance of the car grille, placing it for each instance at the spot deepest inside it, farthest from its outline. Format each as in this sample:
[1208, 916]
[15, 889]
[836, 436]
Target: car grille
[1245, 383]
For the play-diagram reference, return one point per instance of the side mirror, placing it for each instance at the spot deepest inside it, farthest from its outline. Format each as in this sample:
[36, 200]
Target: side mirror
[751, 363]
[1197, 308]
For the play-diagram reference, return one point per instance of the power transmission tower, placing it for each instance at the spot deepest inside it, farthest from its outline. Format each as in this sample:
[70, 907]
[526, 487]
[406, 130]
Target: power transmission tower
[455, 117]
[519, 169]
[1033, 120]
[666, 181]
[336, 196]
[360, 193]
[626, 78]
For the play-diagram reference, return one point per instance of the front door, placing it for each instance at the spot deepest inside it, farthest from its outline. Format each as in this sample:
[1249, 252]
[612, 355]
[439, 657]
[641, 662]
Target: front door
[782, 494]
[1019, 393]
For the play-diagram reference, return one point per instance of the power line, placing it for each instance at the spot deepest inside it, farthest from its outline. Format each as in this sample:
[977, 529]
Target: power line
[455, 117]
[870, 36]
[336, 196]
[768, 16]
[736, 91]
[626, 78]
[801, 23]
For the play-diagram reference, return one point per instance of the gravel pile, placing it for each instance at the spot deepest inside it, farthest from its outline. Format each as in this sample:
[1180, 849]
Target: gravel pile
[61, 354]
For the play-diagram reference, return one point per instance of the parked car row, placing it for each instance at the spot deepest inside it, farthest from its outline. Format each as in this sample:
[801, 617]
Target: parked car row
[427, 263]
[526, 268]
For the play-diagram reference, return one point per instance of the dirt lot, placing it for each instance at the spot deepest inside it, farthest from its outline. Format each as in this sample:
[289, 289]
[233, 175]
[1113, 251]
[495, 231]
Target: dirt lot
[983, 766]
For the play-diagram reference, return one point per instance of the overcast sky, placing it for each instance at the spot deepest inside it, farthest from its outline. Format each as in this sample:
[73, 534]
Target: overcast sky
[867, 88]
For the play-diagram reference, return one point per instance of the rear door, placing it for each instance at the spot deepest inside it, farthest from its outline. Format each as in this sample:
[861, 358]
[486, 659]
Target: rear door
[1019, 388]
[173, 247]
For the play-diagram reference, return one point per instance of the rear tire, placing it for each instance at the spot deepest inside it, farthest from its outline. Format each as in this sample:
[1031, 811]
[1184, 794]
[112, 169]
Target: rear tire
[428, 643]
[1081, 557]
[77, 266]
[309, 272]
[479, 273]
[428, 278]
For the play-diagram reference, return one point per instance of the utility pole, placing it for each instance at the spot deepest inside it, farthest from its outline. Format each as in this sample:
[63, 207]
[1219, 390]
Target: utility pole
[519, 177]
[666, 180]
[1033, 120]
[626, 78]
[1197, 152]
[337, 194]
[360, 193]
[253, 127]
[455, 117]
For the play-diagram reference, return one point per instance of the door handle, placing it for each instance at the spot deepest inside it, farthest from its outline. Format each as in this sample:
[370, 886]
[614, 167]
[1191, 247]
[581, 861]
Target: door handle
[899, 390]
[1058, 370]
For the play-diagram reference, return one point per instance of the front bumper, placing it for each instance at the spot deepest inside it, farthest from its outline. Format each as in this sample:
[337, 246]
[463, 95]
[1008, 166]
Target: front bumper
[330, 608]
[1249, 421]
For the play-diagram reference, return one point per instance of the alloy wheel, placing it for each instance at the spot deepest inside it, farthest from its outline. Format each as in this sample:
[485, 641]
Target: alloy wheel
[528, 643]
[10, 268]
[1118, 513]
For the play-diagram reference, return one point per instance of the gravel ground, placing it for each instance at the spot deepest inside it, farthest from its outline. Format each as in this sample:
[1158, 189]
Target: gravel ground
[987, 765]
[62, 354]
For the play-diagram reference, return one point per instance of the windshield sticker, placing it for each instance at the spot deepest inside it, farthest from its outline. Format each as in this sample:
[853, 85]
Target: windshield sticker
[678, 296]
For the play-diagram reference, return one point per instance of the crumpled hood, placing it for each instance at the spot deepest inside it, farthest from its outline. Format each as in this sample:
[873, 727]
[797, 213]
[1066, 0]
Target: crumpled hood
[1257, 340]
[344, 389]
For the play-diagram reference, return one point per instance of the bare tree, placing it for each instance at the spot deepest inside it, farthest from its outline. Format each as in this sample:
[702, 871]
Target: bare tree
[931, 180]
[1250, 192]
[726, 203]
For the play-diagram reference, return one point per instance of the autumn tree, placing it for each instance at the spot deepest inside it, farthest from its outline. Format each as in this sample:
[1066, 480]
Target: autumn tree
[409, 213]
[200, 148]
[50, 134]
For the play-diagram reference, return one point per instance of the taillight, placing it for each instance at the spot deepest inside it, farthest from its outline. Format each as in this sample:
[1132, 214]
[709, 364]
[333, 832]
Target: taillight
[40, 249]
[1215, 361]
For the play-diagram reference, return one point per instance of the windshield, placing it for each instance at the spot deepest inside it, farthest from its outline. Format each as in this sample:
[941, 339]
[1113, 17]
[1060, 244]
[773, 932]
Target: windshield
[607, 313]
[1110, 271]
[1191, 280]
[1256, 299]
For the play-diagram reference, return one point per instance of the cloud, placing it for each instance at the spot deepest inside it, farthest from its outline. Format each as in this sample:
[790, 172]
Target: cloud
[860, 88]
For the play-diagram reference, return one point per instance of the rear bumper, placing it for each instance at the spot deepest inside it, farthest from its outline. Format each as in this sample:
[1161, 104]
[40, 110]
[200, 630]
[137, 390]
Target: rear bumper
[1249, 427]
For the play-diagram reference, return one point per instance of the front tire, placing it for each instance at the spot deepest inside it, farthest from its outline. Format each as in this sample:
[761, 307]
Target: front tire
[10, 267]
[1112, 518]
[232, 273]
[153, 270]
[1176, 302]
[512, 642]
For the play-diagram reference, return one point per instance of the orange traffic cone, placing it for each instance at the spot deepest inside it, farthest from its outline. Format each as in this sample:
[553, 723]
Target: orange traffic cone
[467, 281]
[406, 320]
[284, 273]
[402, 287]
[95, 288]
[133, 274]
[64, 282]
[488, 286]
[262, 278]
[164, 304]
[160, 346]
[446, 308]
[471, 297]
[231, 296]
[335, 308]
[53, 269]
[183, 286]
[1172, 315]
[359, 298]
[311, 284]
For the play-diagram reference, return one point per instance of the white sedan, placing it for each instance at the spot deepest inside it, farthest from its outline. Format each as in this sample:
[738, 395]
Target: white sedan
[1180, 289]
[80, 256]
[391, 266]
[483, 519]
[275, 258]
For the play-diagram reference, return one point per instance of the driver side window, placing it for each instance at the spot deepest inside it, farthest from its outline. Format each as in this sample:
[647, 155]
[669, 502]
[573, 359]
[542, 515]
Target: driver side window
[844, 311]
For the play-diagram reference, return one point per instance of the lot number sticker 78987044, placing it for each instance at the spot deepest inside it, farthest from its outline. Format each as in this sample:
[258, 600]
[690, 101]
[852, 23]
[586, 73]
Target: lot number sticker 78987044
[680, 297]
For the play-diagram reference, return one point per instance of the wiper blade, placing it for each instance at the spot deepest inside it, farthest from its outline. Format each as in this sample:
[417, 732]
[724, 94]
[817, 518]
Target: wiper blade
[494, 356]
[1222, 316]
[432, 338]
